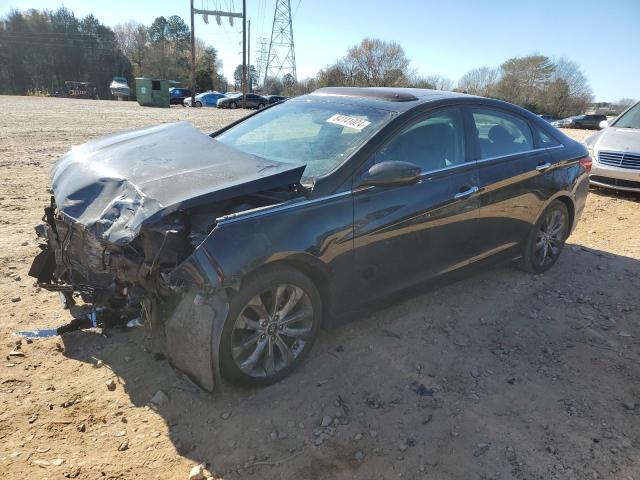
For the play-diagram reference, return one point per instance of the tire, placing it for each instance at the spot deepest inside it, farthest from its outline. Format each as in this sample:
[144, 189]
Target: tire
[260, 106]
[233, 105]
[198, 104]
[546, 240]
[250, 340]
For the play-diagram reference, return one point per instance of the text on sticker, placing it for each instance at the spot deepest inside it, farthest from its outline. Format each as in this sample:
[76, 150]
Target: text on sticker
[347, 121]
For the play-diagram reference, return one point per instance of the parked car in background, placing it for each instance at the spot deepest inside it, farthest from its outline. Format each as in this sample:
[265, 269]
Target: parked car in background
[591, 122]
[235, 101]
[206, 99]
[177, 95]
[271, 99]
[243, 242]
[616, 152]
[548, 118]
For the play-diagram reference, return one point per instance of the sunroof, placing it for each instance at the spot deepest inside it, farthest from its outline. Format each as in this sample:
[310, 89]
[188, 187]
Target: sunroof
[388, 94]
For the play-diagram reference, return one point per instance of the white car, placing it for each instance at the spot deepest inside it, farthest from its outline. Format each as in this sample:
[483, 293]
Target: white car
[615, 151]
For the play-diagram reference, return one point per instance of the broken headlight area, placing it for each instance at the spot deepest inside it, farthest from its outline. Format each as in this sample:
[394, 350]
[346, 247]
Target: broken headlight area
[76, 262]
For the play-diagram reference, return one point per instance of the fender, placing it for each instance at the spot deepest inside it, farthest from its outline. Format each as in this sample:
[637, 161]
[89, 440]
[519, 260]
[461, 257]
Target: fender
[573, 196]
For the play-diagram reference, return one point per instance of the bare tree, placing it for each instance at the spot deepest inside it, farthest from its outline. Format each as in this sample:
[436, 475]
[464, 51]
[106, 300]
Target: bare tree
[376, 63]
[571, 73]
[626, 102]
[133, 40]
[439, 82]
[479, 81]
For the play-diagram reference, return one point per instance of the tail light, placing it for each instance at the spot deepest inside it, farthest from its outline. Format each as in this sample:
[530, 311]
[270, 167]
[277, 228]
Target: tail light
[586, 163]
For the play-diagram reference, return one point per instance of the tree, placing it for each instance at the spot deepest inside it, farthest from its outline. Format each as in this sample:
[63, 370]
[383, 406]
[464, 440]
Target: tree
[625, 102]
[158, 34]
[522, 79]
[237, 77]
[204, 82]
[438, 82]
[43, 49]
[132, 38]
[376, 63]
[572, 74]
[332, 76]
[479, 81]
[556, 100]
[272, 86]
[371, 63]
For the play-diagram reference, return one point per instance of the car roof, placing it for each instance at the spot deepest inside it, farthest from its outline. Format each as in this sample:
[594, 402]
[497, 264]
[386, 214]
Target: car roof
[390, 98]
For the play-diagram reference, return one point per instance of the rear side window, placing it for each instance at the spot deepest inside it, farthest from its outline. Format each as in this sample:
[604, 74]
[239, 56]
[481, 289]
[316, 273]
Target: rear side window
[500, 133]
[546, 140]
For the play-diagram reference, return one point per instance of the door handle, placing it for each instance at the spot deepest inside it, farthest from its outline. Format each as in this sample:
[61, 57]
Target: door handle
[542, 167]
[466, 193]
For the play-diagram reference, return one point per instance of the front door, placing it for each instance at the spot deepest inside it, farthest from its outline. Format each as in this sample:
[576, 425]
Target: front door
[406, 234]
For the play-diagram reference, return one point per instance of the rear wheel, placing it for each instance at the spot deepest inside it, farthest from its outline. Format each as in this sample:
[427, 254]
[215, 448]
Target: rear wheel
[272, 324]
[546, 240]
[260, 106]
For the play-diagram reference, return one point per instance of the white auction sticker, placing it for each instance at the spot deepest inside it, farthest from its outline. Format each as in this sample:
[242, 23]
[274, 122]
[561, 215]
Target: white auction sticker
[347, 121]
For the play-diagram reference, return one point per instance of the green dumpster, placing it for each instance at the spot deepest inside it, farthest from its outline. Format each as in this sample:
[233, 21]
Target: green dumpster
[152, 92]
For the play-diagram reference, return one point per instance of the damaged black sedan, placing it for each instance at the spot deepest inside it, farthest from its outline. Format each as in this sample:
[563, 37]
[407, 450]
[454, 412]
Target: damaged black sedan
[239, 244]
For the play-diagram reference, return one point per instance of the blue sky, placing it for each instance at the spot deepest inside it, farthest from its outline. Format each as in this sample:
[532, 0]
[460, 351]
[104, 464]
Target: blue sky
[440, 37]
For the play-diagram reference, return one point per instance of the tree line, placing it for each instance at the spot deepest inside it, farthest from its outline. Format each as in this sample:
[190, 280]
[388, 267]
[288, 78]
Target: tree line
[40, 50]
[556, 87]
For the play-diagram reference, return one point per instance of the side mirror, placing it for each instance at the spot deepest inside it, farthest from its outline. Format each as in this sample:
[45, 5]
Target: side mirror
[604, 124]
[390, 174]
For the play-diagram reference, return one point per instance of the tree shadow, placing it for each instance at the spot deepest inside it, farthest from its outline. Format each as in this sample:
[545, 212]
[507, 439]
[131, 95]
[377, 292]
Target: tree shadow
[497, 323]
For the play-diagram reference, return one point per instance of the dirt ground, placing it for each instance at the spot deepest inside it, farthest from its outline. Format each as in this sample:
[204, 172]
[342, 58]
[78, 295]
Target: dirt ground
[501, 375]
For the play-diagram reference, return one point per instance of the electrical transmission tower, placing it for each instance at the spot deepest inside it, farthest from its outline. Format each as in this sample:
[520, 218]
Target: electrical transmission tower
[261, 55]
[281, 58]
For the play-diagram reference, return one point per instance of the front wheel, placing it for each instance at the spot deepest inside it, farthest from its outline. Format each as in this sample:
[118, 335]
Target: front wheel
[546, 240]
[272, 324]
[233, 105]
[198, 104]
[260, 106]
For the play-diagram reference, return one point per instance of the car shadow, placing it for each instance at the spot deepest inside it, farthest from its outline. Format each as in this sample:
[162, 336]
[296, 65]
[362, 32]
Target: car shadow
[435, 371]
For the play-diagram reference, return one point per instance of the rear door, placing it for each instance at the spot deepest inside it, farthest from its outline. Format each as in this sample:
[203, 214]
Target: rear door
[409, 233]
[513, 170]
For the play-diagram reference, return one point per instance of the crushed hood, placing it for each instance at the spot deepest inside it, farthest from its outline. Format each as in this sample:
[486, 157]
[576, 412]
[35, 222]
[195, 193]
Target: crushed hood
[115, 184]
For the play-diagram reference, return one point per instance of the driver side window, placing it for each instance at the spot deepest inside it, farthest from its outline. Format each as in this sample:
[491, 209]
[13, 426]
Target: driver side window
[433, 142]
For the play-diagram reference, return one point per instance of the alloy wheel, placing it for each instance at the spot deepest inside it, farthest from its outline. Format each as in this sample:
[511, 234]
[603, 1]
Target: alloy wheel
[272, 330]
[550, 238]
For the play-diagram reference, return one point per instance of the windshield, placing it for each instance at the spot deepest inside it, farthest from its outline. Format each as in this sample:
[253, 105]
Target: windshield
[321, 134]
[631, 119]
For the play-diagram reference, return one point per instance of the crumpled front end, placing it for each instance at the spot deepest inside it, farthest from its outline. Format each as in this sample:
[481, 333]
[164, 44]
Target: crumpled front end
[128, 214]
[157, 274]
[75, 260]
